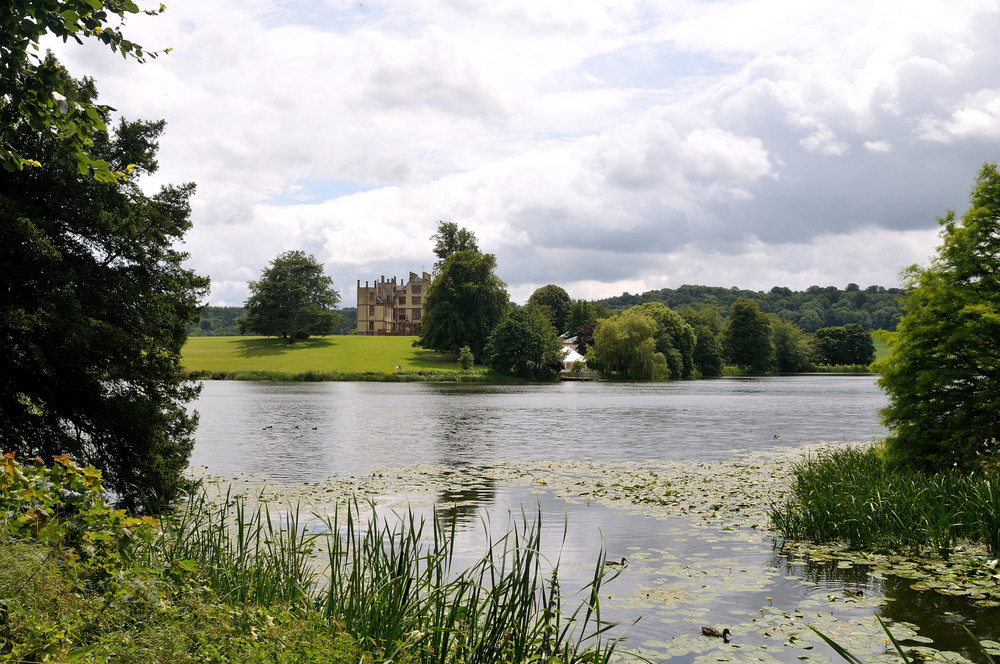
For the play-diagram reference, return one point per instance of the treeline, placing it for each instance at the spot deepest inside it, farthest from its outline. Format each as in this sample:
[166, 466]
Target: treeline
[224, 322]
[874, 308]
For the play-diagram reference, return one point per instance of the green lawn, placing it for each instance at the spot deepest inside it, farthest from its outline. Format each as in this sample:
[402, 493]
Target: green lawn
[334, 354]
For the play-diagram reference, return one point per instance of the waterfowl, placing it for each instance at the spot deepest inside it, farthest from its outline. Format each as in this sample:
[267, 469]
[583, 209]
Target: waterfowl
[615, 563]
[711, 631]
[853, 593]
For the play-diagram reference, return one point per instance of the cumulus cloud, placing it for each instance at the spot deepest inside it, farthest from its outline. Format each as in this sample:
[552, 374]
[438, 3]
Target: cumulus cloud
[600, 146]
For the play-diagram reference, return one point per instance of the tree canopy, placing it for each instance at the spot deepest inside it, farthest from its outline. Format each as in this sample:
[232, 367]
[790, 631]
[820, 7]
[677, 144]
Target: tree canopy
[37, 93]
[874, 307]
[293, 299]
[464, 302]
[746, 338]
[451, 238]
[847, 344]
[94, 304]
[624, 347]
[674, 338]
[942, 375]
[558, 302]
[525, 344]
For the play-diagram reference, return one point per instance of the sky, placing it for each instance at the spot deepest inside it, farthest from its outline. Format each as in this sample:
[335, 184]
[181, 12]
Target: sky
[605, 147]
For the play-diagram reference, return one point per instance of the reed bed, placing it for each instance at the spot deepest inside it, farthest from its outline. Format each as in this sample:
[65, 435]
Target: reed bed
[852, 494]
[391, 583]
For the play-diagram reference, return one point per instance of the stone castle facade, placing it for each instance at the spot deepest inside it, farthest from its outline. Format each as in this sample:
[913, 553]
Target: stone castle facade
[391, 306]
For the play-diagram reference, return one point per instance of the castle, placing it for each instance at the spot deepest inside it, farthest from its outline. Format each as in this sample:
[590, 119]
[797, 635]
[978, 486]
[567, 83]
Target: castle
[388, 307]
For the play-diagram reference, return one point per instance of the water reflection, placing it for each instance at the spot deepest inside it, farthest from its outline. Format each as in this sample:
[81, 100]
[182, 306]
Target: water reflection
[308, 431]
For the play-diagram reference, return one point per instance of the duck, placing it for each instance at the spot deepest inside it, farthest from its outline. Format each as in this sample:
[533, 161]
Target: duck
[711, 631]
[616, 563]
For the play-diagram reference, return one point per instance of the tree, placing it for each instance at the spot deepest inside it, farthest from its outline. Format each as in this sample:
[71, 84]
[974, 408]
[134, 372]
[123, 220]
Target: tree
[37, 93]
[707, 326]
[293, 299]
[94, 305]
[558, 302]
[524, 344]
[849, 344]
[464, 302]
[746, 339]
[674, 338]
[449, 239]
[624, 347]
[942, 374]
[792, 347]
[583, 313]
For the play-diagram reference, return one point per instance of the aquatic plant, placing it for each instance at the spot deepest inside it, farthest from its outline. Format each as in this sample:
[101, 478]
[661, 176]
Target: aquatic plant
[853, 494]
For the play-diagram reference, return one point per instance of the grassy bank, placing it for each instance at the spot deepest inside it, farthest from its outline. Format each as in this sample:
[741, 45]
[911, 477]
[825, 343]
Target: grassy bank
[321, 358]
[224, 581]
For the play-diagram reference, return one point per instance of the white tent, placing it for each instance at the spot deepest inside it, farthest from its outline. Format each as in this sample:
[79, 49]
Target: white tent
[570, 356]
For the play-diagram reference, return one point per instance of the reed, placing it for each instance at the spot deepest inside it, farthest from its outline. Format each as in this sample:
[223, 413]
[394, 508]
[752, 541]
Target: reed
[852, 494]
[246, 554]
[391, 582]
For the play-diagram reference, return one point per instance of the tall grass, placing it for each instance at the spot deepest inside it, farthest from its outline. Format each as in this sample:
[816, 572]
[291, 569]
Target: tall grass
[390, 582]
[853, 495]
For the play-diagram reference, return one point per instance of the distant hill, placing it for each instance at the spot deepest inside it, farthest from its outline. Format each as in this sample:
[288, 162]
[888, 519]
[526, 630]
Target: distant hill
[873, 308]
[221, 322]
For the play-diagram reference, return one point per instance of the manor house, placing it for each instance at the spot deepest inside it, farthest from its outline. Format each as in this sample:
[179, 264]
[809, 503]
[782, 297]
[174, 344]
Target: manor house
[388, 307]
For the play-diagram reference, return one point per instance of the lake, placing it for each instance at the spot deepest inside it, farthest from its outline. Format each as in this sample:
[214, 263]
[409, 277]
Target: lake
[484, 452]
[308, 431]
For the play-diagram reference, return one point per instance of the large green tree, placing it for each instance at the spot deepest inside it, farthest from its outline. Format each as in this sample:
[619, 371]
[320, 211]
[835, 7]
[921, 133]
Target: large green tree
[38, 95]
[624, 347]
[558, 302]
[464, 302]
[524, 344]
[848, 344]
[942, 374]
[293, 299]
[674, 338]
[451, 238]
[793, 348]
[94, 304]
[746, 338]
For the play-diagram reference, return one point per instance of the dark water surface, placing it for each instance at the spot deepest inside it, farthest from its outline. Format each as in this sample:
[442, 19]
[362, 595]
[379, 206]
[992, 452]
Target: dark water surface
[307, 432]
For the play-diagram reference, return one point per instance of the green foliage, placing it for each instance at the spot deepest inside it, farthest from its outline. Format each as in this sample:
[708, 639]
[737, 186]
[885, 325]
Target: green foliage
[224, 322]
[464, 302]
[559, 305]
[846, 345]
[874, 307]
[942, 375]
[449, 239]
[293, 299]
[674, 338]
[792, 347]
[857, 496]
[524, 344]
[227, 580]
[94, 304]
[707, 326]
[582, 313]
[38, 96]
[624, 347]
[746, 339]
[465, 358]
[63, 506]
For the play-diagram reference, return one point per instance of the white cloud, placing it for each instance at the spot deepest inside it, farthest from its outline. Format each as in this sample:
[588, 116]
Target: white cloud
[602, 146]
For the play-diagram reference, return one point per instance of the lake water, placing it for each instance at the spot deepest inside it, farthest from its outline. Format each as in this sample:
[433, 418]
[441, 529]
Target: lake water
[680, 574]
[309, 431]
